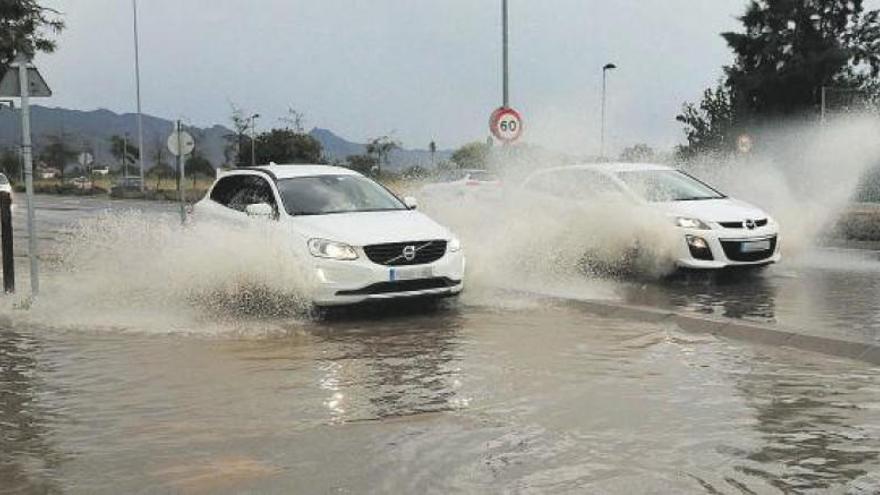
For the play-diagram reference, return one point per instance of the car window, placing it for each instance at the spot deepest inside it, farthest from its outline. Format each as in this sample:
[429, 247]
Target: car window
[3, 180]
[667, 185]
[327, 194]
[573, 184]
[239, 191]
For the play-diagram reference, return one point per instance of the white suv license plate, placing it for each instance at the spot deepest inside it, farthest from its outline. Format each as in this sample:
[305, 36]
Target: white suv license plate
[410, 273]
[755, 246]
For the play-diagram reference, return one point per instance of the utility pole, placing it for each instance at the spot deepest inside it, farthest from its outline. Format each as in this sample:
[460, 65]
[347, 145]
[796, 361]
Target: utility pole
[137, 78]
[254, 139]
[504, 61]
[125, 155]
[605, 70]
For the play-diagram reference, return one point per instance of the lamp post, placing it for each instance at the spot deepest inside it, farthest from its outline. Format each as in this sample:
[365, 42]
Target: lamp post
[605, 70]
[137, 79]
[254, 118]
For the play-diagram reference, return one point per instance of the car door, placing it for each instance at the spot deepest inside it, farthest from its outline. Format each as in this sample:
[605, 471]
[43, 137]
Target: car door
[233, 193]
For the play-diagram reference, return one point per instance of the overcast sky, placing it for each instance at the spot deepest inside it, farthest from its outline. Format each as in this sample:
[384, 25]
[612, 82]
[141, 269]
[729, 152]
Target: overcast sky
[422, 69]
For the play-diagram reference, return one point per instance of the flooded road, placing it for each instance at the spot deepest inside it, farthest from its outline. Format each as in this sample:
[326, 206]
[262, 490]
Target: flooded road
[495, 393]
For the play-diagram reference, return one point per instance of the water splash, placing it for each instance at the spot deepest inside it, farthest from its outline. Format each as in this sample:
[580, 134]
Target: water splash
[144, 271]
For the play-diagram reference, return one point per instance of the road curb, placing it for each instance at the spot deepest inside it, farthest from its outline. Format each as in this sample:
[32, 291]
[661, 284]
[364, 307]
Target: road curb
[727, 328]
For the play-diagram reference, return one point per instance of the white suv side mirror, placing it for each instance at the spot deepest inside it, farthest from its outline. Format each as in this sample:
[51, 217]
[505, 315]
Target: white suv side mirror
[411, 202]
[259, 210]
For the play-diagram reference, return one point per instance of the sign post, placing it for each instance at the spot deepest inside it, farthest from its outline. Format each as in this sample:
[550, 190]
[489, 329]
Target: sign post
[180, 144]
[24, 81]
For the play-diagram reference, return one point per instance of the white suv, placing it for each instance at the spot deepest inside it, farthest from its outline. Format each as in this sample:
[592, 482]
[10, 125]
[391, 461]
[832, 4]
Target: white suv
[359, 240]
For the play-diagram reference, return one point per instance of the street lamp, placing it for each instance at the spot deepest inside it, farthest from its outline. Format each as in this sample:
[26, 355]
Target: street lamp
[253, 119]
[137, 78]
[605, 70]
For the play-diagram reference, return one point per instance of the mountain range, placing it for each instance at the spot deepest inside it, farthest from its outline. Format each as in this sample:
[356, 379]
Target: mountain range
[93, 129]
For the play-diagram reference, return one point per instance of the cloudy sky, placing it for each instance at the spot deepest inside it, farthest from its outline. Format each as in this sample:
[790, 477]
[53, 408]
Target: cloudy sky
[422, 69]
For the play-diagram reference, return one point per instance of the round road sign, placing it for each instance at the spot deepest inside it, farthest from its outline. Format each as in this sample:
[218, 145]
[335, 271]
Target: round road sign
[186, 145]
[506, 124]
[744, 143]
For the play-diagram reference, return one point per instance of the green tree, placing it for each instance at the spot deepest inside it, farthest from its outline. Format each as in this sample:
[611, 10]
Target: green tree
[125, 151]
[638, 153]
[710, 125]
[472, 155]
[58, 152]
[381, 147]
[362, 163]
[238, 143]
[288, 146]
[199, 166]
[787, 51]
[28, 27]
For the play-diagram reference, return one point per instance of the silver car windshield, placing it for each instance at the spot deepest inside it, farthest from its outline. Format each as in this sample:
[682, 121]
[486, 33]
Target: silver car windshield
[326, 194]
[3, 180]
[659, 186]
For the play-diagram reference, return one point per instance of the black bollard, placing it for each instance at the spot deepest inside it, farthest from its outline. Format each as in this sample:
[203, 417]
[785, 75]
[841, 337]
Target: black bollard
[6, 233]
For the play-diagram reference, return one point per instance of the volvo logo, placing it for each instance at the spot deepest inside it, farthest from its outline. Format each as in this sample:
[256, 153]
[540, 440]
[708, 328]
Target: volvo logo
[750, 224]
[409, 253]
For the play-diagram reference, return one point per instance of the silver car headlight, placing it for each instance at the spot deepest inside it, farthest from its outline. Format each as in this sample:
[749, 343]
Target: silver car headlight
[691, 223]
[322, 248]
[454, 245]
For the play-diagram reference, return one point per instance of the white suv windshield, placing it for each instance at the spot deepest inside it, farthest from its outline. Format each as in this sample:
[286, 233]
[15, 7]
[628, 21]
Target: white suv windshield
[326, 194]
[667, 185]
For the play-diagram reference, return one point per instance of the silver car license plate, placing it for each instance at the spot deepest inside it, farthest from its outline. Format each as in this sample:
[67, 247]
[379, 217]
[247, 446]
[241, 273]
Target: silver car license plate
[410, 273]
[755, 246]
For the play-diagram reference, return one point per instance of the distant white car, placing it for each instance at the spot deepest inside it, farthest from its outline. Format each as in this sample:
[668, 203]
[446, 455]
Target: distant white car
[713, 230]
[464, 183]
[358, 240]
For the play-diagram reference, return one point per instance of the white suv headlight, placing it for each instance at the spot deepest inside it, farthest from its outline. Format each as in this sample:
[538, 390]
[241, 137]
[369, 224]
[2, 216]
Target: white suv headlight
[691, 223]
[322, 248]
[454, 245]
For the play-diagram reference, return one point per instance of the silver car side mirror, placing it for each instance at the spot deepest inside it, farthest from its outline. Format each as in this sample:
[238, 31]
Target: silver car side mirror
[263, 210]
[411, 202]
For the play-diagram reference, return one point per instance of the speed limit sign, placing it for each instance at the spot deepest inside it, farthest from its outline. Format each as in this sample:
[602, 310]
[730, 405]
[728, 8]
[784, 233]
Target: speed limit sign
[506, 124]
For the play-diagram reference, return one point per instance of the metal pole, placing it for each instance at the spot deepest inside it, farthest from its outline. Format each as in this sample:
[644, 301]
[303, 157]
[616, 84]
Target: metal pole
[137, 78]
[7, 244]
[823, 104]
[504, 41]
[28, 171]
[602, 138]
[254, 140]
[180, 183]
[125, 155]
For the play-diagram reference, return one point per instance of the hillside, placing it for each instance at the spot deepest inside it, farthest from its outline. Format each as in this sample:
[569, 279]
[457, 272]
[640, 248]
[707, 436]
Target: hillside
[93, 129]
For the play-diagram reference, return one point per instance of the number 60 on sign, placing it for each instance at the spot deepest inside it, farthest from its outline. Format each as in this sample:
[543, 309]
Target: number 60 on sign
[506, 124]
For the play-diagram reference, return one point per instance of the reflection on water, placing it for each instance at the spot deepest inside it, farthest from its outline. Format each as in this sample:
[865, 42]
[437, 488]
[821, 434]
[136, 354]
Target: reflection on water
[818, 429]
[406, 366]
[453, 398]
[826, 292]
[26, 453]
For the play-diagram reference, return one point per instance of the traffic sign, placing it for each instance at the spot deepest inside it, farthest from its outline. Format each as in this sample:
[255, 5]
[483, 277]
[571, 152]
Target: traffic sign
[85, 159]
[506, 124]
[744, 143]
[186, 146]
[9, 85]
